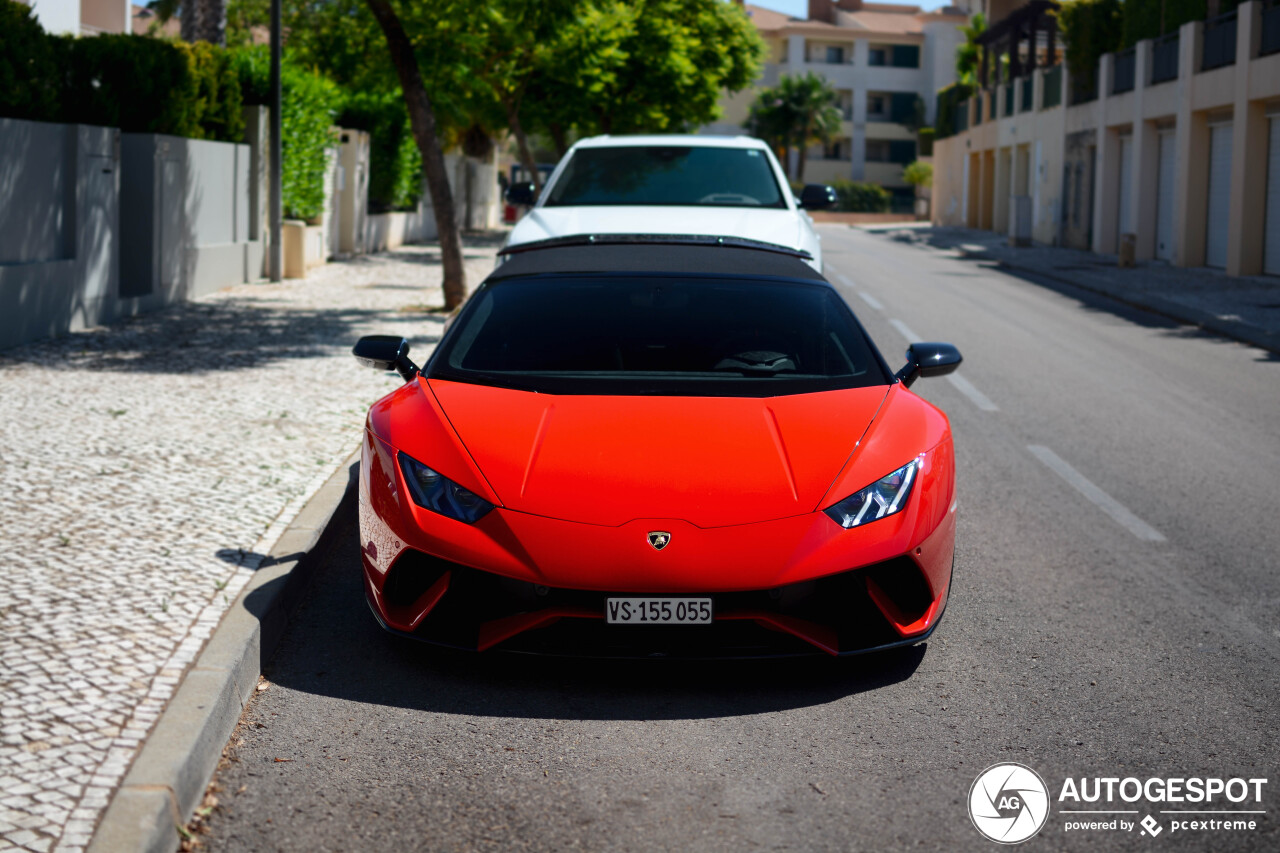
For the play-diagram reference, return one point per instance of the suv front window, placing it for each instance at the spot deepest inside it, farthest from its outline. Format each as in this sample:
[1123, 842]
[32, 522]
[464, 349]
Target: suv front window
[668, 175]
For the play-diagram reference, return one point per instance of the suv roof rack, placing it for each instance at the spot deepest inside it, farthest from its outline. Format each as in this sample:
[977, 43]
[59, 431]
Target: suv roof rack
[654, 239]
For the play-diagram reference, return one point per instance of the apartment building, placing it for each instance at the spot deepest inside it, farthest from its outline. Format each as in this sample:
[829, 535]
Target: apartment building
[1174, 148]
[886, 61]
[83, 17]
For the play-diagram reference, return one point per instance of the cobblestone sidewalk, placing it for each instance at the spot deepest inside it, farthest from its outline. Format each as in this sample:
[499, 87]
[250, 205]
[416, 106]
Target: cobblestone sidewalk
[143, 470]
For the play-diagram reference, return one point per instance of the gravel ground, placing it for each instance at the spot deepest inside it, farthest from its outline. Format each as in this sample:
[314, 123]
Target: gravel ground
[144, 468]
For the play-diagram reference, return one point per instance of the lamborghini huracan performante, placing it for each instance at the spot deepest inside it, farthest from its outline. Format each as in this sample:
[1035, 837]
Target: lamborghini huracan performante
[647, 446]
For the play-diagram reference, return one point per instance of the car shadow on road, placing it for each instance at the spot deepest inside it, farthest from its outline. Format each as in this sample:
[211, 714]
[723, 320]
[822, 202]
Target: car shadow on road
[333, 647]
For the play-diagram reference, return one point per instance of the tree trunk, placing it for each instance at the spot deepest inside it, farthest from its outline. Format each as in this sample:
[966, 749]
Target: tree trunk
[558, 138]
[522, 145]
[423, 121]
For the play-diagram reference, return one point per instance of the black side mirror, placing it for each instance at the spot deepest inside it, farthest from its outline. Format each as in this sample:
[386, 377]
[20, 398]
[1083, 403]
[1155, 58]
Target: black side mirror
[817, 197]
[385, 352]
[928, 360]
[521, 194]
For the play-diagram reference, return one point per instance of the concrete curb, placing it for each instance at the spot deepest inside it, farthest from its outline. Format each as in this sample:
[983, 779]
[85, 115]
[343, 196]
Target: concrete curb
[1237, 330]
[168, 777]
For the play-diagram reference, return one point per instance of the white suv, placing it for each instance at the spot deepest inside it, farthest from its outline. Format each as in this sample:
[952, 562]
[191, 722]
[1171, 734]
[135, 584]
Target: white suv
[720, 186]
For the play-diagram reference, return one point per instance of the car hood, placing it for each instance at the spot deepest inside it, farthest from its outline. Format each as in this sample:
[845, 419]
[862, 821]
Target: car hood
[781, 227]
[710, 461]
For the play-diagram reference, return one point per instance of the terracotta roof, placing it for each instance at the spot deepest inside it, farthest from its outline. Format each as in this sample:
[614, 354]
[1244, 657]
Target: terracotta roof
[767, 19]
[880, 22]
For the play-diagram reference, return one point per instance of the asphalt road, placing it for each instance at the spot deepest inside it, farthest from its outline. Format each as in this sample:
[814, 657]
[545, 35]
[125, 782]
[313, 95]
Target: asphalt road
[1113, 614]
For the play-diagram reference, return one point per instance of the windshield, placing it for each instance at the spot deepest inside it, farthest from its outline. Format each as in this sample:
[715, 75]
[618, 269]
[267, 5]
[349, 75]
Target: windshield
[670, 336]
[670, 175]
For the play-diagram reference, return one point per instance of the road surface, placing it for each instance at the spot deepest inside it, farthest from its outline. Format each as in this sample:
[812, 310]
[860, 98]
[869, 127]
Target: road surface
[1113, 614]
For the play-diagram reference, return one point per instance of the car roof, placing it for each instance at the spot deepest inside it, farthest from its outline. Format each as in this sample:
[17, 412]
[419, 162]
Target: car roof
[675, 139]
[614, 253]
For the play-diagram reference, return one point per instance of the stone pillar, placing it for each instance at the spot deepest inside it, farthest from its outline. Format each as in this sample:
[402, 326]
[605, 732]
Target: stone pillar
[1248, 202]
[1146, 162]
[1191, 174]
[1106, 174]
[858, 139]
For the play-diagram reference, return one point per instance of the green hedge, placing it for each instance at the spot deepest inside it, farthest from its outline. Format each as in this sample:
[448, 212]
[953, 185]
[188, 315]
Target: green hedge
[395, 164]
[861, 197]
[135, 83]
[310, 103]
[30, 70]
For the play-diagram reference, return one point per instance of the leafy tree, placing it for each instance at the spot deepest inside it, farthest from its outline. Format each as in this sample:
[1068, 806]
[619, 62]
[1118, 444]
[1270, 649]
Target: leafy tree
[423, 121]
[802, 110]
[969, 54]
[652, 66]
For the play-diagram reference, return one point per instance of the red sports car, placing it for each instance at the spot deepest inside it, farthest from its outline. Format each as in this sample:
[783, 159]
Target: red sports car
[657, 447]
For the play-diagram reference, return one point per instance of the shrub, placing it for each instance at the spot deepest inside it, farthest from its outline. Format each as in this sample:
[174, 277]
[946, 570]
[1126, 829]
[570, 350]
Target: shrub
[949, 100]
[861, 197]
[918, 174]
[217, 105]
[309, 103]
[395, 164]
[137, 84]
[924, 141]
[30, 76]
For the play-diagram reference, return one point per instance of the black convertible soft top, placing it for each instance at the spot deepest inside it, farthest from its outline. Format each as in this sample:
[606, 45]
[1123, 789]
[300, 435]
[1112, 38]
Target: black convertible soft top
[655, 254]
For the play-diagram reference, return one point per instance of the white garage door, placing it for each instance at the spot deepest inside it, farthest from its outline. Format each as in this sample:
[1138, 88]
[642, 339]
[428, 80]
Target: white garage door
[1271, 246]
[1126, 171]
[1215, 250]
[1164, 197]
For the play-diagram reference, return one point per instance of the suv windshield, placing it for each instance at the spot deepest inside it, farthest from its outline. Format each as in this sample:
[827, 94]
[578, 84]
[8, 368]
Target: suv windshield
[670, 175]
[670, 336]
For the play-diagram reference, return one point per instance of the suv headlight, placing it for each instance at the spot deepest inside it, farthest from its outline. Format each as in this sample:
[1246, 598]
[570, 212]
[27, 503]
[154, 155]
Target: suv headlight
[882, 498]
[432, 490]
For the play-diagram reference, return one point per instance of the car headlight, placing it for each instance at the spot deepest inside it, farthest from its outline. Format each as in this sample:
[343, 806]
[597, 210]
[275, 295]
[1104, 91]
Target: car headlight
[882, 498]
[432, 490]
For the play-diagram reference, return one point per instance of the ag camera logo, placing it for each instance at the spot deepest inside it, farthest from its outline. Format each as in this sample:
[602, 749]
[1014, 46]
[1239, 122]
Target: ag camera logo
[1008, 803]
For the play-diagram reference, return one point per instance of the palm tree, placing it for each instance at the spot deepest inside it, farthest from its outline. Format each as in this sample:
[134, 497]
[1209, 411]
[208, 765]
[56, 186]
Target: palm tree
[802, 110]
[815, 114]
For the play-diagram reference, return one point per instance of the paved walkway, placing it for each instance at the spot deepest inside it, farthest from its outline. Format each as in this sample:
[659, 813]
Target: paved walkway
[143, 470]
[1245, 308]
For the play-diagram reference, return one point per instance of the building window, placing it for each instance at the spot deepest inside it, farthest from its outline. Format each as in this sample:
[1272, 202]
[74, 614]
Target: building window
[898, 107]
[896, 55]
[838, 149]
[891, 151]
[835, 55]
[846, 104]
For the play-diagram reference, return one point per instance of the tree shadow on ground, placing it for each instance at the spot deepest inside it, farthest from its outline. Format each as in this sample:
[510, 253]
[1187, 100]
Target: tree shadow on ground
[333, 647]
[204, 337]
[969, 245]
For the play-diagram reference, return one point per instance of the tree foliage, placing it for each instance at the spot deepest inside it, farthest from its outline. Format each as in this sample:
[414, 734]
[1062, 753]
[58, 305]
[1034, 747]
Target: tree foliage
[969, 54]
[800, 111]
[1089, 29]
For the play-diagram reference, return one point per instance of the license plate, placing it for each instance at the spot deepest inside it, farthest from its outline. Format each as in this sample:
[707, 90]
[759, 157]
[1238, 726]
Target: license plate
[657, 611]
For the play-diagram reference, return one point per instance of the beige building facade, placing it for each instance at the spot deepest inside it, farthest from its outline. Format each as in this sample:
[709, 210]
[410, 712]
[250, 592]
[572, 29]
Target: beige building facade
[83, 17]
[881, 58]
[1179, 152]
